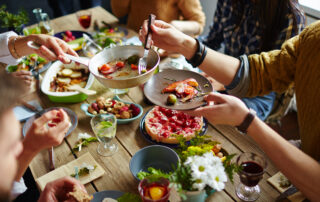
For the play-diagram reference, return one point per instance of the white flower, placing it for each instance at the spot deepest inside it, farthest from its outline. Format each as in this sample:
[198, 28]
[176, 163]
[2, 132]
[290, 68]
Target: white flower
[207, 170]
[199, 184]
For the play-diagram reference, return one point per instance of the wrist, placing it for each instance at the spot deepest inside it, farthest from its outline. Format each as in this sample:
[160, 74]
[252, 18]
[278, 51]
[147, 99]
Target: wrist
[29, 149]
[249, 117]
[189, 47]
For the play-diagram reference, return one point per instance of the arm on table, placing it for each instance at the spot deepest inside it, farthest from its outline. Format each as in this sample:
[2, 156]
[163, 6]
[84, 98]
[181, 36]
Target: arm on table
[40, 137]
[302, 170]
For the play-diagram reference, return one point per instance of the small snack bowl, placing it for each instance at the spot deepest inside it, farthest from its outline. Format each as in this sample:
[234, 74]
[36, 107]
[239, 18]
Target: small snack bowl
[156, 156]
[99, 108]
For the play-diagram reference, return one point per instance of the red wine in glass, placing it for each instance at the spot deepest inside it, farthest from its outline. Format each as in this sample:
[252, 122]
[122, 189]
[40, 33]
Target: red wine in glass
[253, 167]
[85, 21]
[251, 173]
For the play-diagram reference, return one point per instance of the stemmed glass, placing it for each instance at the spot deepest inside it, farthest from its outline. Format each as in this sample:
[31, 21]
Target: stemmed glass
[84, 18]
[253, 167]
[154, 191]
[104, 126]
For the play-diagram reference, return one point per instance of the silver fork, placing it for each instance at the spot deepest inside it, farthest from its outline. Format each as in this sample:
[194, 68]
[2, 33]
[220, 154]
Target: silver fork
[142, 66]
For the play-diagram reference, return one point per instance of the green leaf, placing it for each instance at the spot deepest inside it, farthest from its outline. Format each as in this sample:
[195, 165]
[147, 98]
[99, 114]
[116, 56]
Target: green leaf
[12, 68]
[129, 197]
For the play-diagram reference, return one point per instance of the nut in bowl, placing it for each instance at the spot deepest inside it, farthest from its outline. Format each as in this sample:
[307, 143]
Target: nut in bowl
[124, 111]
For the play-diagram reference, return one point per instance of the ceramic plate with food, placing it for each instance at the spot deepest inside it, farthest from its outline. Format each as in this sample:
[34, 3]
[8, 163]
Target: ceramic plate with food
[60, 76]
[161, 126]
[105, 195]
[177, 89]
[74, 38]
[124, 111]
[40, 64]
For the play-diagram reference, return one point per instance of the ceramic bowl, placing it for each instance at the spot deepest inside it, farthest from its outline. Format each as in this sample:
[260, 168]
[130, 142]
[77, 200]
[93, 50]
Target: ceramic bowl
[84, 107]
[62, 97]
[156, 156]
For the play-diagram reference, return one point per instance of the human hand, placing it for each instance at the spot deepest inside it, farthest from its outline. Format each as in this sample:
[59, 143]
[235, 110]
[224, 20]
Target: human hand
[51, 48]
[58, 190]
[42, 135]
[25, 76]
[222, 109]
[164, 36]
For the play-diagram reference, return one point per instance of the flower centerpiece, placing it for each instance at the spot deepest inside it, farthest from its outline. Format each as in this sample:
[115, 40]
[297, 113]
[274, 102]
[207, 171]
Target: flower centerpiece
[204, 168]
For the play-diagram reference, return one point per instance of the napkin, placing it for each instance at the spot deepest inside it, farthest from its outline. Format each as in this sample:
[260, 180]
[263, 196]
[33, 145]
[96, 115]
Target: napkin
[274, 181]
[68, 169]
[22, 113]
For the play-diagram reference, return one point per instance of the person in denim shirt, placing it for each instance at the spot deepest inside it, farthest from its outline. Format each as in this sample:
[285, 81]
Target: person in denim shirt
[248, 27]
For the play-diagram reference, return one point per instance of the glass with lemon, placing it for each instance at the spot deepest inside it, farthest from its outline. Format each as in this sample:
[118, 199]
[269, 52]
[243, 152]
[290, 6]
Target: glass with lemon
[154, 191]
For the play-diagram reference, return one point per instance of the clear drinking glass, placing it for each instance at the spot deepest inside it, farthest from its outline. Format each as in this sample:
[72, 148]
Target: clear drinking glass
[253, 167]
[104, 127]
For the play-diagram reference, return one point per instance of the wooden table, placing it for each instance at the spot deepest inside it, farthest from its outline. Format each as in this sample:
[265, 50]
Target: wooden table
[129, 139]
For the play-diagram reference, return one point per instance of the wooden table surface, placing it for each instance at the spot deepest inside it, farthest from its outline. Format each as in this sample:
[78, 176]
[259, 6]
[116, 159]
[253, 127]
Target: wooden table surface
[129, 139]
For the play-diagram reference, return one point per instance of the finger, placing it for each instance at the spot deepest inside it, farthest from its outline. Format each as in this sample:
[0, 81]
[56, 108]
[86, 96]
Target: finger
[215, 97]
[53, 44]
[66, 48]
[46, 117]
[196, 112]
[64, 59]
[46, 53]
[23, 72]
[161, 24]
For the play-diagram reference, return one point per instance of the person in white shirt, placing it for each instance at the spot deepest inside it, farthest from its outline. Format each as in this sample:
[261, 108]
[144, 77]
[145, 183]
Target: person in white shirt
[13, 47]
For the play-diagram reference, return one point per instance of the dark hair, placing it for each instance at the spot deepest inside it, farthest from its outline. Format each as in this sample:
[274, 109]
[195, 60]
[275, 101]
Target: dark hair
[272, 15]
[11, 90]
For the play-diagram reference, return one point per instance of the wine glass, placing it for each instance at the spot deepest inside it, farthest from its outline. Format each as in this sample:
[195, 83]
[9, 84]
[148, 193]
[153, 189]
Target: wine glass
[84, 18]
[253, 166]
[154, 191]
[104, 127]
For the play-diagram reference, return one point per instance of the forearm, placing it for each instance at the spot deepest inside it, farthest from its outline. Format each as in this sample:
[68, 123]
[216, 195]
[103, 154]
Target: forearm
[222, 68]
[301, 170]
[188, 27]
[24, 160]
[120, 8]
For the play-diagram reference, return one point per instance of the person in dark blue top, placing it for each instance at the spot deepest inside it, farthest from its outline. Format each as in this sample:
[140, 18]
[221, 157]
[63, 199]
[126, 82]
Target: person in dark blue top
[253, 26]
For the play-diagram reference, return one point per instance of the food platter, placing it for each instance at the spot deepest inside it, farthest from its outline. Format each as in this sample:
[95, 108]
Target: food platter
[72, 116]
[150, 140]
[99, 196]
[153, 88]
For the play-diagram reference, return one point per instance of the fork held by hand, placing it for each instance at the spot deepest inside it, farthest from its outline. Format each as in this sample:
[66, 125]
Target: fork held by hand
[147, 45]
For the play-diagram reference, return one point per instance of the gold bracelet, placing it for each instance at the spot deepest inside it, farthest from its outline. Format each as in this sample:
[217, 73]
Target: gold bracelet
[14, 47]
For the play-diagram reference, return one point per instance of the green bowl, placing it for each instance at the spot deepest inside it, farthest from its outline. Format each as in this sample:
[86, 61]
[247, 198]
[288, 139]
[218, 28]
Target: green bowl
[62, 97]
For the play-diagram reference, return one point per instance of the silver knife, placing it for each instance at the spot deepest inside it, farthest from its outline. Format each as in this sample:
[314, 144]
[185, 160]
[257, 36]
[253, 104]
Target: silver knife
[290, 191]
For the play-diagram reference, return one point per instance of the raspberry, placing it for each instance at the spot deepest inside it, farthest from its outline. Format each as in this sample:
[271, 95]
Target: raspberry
[135, 110]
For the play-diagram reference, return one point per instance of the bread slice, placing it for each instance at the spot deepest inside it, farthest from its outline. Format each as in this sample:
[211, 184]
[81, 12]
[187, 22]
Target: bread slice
[79, 195]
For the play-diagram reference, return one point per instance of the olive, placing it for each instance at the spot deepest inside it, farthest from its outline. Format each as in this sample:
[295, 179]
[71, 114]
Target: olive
[172, 99]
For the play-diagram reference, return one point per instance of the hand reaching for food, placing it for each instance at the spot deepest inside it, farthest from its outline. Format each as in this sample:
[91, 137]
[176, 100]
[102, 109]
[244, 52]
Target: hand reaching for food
[65, 189]
[222, 109]
[25, 76]
[47, 131]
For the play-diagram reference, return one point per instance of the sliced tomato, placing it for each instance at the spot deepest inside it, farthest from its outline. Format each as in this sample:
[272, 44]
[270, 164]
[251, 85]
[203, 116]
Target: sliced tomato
[120, 64]
[134, 67]
[104, 67]
[52, 124]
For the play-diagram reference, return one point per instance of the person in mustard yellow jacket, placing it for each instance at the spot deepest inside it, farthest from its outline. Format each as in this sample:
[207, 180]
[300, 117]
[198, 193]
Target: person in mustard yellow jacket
[185, 15]
[297, 62]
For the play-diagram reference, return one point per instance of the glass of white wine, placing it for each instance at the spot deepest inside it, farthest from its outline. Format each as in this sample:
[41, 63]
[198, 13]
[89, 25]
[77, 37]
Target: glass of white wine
[104, 127]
